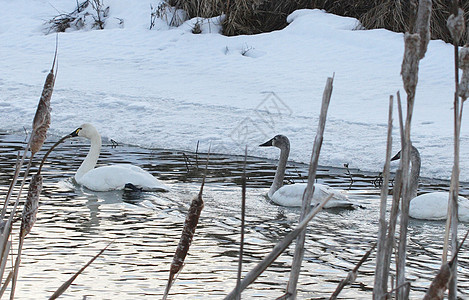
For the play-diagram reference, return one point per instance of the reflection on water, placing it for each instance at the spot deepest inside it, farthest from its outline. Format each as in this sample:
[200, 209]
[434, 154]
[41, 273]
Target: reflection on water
[75, 223]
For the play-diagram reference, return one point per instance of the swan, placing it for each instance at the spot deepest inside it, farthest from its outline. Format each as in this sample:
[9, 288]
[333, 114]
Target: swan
[292, 195]
[429, 206]
[112, 177]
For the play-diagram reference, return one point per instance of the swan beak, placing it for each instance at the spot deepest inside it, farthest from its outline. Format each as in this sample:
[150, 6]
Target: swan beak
[75, 133]
[397, 156]
[269, 143]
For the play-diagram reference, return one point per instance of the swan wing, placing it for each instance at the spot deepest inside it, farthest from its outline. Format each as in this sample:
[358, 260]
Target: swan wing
[430, 206]
[434, 206]
[114, 177]
[292, 195]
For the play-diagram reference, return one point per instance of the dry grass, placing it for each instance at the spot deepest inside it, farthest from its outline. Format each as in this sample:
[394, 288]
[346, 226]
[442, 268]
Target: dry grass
[256, 16]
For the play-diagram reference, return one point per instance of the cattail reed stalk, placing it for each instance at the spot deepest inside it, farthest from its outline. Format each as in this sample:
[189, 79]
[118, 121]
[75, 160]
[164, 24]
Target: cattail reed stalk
[456, 26]
[28, 219]
[352, 275]
[41, 123]
[276, 251]
[415, 48]
[309, 190]
[381, 279]
[190, 224]
[243, 213]
[69, 282]
[50, 150]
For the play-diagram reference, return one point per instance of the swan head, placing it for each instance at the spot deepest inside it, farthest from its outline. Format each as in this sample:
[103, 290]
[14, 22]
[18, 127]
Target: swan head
[279, 141]
[86, 130]
[414, 152]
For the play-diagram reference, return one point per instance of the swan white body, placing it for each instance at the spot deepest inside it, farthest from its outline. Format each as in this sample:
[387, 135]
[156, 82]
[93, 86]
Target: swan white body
[292, 195]
[434, 206]
[430, 206]
[113, 177]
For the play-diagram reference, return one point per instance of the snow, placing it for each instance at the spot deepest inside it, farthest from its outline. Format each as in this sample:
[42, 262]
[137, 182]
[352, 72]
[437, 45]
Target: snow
[169, 88]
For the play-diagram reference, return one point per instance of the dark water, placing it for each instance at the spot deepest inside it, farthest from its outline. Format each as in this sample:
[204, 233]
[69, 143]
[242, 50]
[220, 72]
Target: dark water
[75, 223]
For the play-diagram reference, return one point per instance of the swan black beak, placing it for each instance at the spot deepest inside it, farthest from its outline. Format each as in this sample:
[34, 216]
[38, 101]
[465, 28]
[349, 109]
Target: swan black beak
[397, 156]
[269, 143]
[75, 132]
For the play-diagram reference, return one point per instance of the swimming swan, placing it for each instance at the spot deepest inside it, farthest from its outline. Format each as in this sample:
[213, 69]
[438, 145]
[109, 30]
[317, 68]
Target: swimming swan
[113, 177]
[430, 206]
[292, 195]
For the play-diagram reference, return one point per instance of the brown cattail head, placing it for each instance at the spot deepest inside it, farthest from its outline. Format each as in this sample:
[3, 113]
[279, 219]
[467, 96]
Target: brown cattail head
[39, 135]
[464, 65]
[190, 224]
[422, 25]
[456, 25]
[439, 284]
[410, 63]
[32, 204]
[41, 120]
[43, 108]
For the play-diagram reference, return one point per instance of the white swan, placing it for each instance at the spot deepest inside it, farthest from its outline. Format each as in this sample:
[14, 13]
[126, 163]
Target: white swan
[113, 177]
[430, 206]
[292, 195]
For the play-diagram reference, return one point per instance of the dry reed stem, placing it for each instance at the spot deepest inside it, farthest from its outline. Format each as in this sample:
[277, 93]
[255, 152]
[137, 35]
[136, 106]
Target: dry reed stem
[6, 283]
[415, 47]
[281, 246]
[5, 244]
[69, 282]
[352, 275]
[243, 214]
[455, 25]
[309, 190]
[50, 150]
[188, 231]
[381, 279]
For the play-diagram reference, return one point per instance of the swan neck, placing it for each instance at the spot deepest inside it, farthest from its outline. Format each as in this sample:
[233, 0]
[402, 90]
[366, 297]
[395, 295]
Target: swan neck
[414, 171]
[280, 173]
[91, 158]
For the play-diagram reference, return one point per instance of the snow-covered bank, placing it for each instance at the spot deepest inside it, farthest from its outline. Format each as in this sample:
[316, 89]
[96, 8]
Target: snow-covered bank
[170, 88]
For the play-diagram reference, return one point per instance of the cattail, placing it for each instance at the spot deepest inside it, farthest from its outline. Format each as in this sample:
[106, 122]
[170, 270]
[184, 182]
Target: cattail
[456, 25]
[464, 65]
[190, 224]
[43, 107]
[439, 284]
[423, 25]
[32, 204]
[41, 120]
[410, 64]
[39, 135]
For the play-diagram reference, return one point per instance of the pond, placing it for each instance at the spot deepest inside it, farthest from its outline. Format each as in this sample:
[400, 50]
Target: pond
[74, 223]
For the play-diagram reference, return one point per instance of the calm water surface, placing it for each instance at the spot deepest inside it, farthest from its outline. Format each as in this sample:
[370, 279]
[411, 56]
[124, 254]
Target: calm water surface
[75, 223]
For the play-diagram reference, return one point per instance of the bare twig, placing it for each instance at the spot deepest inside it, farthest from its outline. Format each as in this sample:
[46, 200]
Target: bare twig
[352, 275]
[69, 282]
[278, 249]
